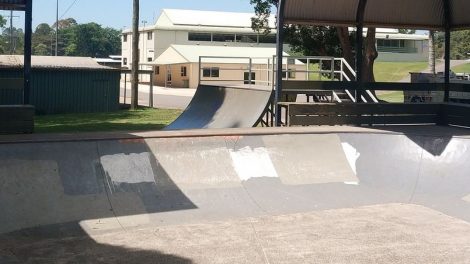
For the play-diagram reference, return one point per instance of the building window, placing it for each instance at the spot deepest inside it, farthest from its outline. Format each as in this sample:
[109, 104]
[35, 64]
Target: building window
[247, 38]
[395, 43]
[267, 39]
[149, 59]
[246, 78]
[199, 37]
[223, 37]
[290, 72]
[149, 35]
[124, 38]
[157, 70]
[183, 71]
[213, 72]
[124, 60]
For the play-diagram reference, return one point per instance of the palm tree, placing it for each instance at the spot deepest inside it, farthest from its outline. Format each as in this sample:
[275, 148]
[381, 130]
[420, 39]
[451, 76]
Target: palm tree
[135, 57]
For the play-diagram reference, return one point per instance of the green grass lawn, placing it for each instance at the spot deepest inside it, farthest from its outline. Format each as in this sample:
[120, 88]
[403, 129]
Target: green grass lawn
[464, 68]
[391, 96]
[124, 120]
[396, 71]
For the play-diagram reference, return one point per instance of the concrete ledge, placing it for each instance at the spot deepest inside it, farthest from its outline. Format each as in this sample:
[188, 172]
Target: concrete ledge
[433, 131]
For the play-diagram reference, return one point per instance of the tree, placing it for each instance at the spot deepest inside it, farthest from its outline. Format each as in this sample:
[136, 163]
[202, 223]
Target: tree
[135, 56]
[3, 21]
[90, 40]
[319, 40]
[460, 44]
[43, 40]
[18, 40]
[65, 23]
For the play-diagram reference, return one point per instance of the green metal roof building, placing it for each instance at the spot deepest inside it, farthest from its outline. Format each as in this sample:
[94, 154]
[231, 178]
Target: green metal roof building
[61, 84]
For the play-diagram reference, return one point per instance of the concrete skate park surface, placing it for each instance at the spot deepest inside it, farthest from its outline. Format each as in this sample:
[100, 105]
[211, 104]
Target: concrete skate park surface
[304, 195]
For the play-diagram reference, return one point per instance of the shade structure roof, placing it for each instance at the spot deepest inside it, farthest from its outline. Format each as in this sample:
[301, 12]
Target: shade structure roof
[12, 4]
[419, 14]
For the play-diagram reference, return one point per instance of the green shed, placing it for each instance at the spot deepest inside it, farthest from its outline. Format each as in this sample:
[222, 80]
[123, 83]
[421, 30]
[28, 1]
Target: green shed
[61, 84]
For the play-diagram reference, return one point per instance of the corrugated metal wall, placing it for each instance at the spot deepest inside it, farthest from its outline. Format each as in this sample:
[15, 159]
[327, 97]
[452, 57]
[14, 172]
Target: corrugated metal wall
[67, 91]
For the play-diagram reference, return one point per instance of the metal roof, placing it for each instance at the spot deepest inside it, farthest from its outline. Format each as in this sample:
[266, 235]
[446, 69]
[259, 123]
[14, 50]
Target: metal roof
[204, 21]
[419, 14]
[50, 62]
[12, 4]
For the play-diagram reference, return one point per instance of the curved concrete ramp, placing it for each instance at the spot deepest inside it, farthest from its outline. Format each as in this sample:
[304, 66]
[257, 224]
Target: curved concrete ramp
[224, 107]
[289, 196]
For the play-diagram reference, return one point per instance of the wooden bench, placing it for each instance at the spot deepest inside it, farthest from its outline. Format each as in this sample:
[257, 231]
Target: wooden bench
[16, 119]
[305, 114]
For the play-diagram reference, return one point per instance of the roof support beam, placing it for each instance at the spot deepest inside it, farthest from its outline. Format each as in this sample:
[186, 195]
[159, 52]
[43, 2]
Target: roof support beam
[27, 51]
[361, 8]
[279, 53]
[447, 26]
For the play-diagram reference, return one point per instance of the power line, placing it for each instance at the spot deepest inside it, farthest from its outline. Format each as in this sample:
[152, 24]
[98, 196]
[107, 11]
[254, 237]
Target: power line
[68, 8]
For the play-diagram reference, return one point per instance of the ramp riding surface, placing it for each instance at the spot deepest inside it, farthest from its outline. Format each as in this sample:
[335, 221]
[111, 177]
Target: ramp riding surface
[301, 195]
[224, 107]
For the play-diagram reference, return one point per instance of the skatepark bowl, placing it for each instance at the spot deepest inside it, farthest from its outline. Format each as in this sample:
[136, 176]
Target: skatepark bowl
[266, 195]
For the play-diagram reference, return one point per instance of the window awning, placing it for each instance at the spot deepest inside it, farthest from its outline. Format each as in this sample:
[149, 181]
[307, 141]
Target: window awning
[19, 5]
[417, 14]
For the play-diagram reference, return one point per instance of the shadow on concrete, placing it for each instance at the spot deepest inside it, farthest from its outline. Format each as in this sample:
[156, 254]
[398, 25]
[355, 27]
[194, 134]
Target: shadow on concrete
[27, 247]
[440, 136]
[50, 188]
[73, 181]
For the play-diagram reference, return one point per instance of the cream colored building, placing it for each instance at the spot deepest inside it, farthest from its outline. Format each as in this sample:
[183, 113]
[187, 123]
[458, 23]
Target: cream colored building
[183, 65]
[193, 27]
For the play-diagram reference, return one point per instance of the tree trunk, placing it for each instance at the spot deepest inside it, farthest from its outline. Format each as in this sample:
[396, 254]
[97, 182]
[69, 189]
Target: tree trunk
[135, 57]
[343, 35]
[432, 53]
[370, 55]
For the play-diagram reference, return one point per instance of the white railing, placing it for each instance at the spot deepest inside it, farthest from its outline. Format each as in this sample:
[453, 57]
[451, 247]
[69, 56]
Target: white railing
[262, 71]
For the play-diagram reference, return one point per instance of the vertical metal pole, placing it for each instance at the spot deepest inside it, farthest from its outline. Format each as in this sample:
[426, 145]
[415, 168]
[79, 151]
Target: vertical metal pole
[27, 51]
[11, 32]
[279, 54]
[199, 72]
[320, 66]
[125, 87]
[307, 74]
[359, 46]
[151, 90]
[332, 69]
[447, 23]
[268, 66]
[447, 66]
[57, 28]
[342, 71]
[287, 69]
[250, 70]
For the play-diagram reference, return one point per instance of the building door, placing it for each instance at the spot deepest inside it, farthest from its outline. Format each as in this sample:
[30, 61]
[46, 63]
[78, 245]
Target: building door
[246, 78]
[168, 76]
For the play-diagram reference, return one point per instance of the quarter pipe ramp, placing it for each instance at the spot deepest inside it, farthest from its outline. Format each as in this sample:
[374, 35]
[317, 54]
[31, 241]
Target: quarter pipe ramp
[224, 107]
[276, 196]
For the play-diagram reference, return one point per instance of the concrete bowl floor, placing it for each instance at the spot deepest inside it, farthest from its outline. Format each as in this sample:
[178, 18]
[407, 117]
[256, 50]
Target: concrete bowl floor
[344, 195]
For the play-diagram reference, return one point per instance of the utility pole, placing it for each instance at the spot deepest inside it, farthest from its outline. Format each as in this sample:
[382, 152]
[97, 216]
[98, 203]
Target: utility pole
[12, 38]
[11, 32]
[135, 57]
[57, 28]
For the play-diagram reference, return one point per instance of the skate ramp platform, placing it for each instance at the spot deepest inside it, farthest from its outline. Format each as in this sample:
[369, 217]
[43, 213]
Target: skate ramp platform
[224, 107]
[297, 195]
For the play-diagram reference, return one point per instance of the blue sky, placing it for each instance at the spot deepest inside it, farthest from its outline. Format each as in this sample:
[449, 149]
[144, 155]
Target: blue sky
[118, 13]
